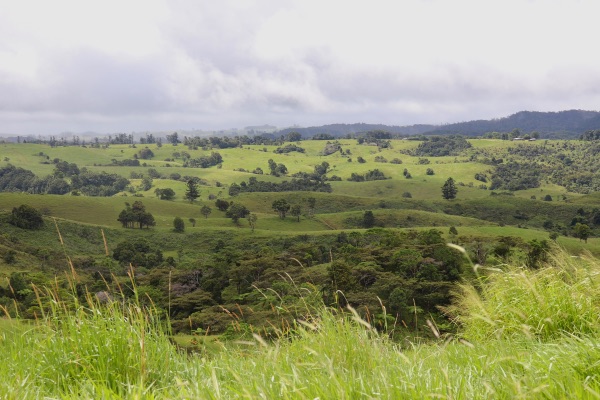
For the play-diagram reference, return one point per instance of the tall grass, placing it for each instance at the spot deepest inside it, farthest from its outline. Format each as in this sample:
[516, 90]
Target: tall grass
[562, 298]
[84, 349]
[531, 334]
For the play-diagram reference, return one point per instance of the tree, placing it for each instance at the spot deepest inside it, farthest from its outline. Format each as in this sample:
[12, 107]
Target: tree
[312, 202]
[178, 224]
[281, 206]
[294, 137]
[237, 211]
[165, 194]
[449, 189]
[430, 171]
[173, 139]
[222, 205]
[205, 211]
[192, 221]
[582, 231]
[138, 252]
[296, 211]
[538, 253]
[192, 192]
[136, 214]
[145, 154]
[26, 217]
[252, 218]
[368, 219]
[146, 184]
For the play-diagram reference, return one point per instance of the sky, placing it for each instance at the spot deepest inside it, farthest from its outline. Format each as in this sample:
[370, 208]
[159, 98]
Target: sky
[166, 65]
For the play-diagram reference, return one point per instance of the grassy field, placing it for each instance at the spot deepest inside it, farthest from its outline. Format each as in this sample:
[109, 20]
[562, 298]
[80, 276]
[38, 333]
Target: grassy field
[474, 207]
[519, 333]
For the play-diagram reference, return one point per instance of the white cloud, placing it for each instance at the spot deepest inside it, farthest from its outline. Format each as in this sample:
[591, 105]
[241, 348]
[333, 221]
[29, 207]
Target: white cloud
[137, 65]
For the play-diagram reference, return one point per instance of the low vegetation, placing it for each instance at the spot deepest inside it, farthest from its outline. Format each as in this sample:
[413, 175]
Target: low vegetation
[507, 346]
[286, 255]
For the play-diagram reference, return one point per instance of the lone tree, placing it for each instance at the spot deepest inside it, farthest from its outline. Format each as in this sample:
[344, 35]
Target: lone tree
[368, 219]
[178, 224]
[296, 211]
[165, 194]
[312, 203]
[222, 205]
[237, 211]
[205, 210]
[192, 221]
[26, 217]
[192, 192]
[252, 218]
[449, 189]
[582, 231]
[281, 206]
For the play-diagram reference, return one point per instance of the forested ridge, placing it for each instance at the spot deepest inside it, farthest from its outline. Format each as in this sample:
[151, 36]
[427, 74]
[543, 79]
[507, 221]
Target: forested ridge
[561, 124]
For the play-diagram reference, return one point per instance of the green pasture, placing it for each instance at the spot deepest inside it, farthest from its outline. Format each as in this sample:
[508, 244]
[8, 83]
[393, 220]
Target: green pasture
[390, 198]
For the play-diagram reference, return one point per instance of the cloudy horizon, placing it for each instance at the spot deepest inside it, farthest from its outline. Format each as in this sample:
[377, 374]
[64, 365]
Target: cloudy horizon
[158, 65]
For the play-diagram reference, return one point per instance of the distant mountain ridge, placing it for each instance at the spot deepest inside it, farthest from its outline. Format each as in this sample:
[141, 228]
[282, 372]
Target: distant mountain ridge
[561, 124]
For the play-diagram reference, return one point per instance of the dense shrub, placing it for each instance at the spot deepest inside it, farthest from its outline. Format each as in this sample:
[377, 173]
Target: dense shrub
[26, 217]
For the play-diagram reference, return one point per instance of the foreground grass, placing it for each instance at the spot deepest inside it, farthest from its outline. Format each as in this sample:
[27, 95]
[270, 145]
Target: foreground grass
[524, 334]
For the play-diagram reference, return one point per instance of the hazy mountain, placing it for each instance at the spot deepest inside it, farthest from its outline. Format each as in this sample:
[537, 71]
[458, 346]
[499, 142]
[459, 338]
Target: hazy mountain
[562, 124]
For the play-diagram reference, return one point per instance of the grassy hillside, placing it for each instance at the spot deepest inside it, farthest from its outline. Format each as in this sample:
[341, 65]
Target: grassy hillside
[272, 297]
[523, 334]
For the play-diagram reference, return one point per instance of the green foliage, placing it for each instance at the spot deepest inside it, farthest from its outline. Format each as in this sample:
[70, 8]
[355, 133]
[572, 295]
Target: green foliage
[222, 205]
[277, 169]
[178, 224]
[289, 148]
[165, 194]
[302, 184]
[237, 211]
[591, 135]
[371, 175]
[138, 252]
[439, 146]
[206, 210]
[582, 231]
[145, 153]
[26, 217]
[191, 191]
[368, 220]
[204, 161]
[281, 206]
[252, 219]
[449, 189]
[296, 211]
[136, 215]
[516, 176]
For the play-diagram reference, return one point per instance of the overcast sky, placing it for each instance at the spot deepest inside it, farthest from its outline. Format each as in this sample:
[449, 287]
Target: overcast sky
[149, 65]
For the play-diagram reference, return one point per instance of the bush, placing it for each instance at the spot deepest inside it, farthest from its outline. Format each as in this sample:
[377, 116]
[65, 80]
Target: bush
[178, 224]
[26, 217]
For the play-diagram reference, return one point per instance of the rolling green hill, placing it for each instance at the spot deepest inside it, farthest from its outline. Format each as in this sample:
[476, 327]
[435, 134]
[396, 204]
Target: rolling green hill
[376, 229]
